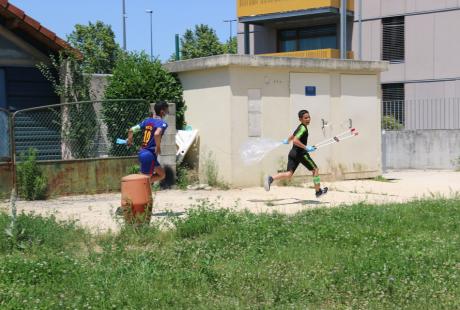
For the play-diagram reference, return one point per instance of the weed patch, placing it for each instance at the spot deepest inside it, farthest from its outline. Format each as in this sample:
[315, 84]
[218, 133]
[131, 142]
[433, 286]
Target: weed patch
[357, 257]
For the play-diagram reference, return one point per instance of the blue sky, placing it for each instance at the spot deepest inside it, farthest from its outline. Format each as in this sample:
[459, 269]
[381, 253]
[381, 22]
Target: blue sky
[169, 17]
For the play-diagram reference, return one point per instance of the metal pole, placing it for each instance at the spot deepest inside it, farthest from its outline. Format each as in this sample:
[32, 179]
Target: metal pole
[360, 32]
[13, 151]
[177, 48]
[230, 21]
[151, 33]
[343, 29]
[124, 24]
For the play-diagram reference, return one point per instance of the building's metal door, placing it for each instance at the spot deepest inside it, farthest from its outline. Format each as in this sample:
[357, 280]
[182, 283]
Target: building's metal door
[311, 91]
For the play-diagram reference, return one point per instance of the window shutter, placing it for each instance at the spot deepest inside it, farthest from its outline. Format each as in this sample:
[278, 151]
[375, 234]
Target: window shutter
[393, 39]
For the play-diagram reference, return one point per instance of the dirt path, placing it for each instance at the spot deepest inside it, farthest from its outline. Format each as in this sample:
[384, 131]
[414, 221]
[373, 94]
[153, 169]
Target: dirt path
[97, 211]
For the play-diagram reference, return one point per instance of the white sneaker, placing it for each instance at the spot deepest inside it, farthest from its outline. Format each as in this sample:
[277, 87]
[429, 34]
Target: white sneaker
[268, 182]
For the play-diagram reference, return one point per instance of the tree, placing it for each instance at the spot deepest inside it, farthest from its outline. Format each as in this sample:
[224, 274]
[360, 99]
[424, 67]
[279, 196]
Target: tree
[97, 44]
[202, 42]
[231, 46]
[79, 125]
[136, 76]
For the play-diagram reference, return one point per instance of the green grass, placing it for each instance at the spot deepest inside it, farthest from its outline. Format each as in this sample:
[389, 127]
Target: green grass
[358, 257]
[381, 179]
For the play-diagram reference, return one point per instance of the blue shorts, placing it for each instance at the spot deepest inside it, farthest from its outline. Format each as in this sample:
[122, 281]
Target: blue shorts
[148, 161]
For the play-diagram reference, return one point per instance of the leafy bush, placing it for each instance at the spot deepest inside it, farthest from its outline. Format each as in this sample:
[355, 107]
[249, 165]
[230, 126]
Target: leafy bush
[32, 184]
[389, 122]
[203, 218]
[210, 170]
[182, 177]
[97, 43]
[80, 125]
[33, 231]
[134, 169]
[135, 76]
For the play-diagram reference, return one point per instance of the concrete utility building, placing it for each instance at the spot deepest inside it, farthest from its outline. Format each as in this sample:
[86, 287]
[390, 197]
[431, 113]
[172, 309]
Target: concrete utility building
[233, 98]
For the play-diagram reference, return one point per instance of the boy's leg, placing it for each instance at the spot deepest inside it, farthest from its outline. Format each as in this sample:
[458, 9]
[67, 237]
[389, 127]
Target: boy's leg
[317, 184]
[308, 162]
[291, 167]
[158, 175]
[146, 162]
[158, 172]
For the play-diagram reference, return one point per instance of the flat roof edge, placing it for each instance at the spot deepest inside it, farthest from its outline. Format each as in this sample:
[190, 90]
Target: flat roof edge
[316, 64]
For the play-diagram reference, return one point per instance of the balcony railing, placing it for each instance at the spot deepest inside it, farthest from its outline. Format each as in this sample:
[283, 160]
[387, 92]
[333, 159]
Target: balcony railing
[261, 7]
[323, 53]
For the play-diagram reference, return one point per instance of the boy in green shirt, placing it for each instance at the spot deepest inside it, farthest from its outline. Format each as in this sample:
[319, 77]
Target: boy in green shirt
[299, 154]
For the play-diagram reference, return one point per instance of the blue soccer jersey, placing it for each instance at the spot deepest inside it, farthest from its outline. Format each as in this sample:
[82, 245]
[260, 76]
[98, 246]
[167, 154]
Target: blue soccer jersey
[149, 127]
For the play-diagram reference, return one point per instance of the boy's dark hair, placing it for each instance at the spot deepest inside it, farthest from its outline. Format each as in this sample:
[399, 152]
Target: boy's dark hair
[160, 106]
[302, 113]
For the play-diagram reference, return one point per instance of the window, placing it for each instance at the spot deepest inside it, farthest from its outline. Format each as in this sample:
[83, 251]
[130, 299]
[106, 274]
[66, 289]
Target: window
[393, 39]
[311, 38]
[288, 40]
[316, 38]
[393, 96]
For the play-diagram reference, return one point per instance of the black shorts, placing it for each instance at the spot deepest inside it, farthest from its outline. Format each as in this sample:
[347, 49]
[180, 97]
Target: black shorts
[295, 158]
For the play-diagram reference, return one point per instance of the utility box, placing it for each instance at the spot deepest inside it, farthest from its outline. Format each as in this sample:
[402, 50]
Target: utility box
[233, 98]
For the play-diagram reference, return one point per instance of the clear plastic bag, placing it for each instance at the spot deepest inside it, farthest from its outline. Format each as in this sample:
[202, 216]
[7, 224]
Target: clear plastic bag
[254, 150]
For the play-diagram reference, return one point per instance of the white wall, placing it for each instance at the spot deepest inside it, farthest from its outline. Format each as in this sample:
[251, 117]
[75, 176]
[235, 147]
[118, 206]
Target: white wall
[432, 47]
[359, 103]
[274, 88]
[207, 96]
[422, 149]
[383, 8]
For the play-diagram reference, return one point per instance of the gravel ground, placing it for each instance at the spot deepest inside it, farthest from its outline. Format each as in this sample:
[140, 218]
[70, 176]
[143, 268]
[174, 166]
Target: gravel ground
[97, 212]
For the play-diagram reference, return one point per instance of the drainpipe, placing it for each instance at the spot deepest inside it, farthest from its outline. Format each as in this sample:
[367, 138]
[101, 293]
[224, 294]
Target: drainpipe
[360, 31]
[343, 29]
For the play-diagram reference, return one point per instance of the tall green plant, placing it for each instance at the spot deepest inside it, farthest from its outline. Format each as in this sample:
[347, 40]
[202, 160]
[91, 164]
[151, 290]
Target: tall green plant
[201, 42]
[135, 76]
[79, 121]
[97, 43]
[32, 184]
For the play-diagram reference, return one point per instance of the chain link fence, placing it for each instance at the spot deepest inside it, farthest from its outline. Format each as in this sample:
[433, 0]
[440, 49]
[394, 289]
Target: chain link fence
[79, 130]
[440, 113]
[5, 136]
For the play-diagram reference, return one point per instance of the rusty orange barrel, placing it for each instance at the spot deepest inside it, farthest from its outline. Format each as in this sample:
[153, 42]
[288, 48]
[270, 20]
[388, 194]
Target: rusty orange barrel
[136, 198]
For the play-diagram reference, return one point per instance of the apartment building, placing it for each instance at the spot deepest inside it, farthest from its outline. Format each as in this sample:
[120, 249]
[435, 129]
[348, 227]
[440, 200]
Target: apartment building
[415, 36]
[294, 28]
[418, 38]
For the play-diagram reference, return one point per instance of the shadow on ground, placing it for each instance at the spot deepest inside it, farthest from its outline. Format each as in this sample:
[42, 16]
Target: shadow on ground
[168, 214]
[285, 201]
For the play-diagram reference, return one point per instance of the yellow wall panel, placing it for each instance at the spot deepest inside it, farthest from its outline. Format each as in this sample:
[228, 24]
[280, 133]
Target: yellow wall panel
[323, 53]
[260, 7]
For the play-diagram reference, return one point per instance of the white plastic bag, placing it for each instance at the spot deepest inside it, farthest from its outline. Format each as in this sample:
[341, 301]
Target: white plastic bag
[254, 150]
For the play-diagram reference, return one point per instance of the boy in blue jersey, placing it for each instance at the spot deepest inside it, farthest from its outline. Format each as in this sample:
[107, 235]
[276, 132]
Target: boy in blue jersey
[299, 154]
[153, 129]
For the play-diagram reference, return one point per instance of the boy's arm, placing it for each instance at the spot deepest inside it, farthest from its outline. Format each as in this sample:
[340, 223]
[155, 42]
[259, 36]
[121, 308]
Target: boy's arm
[157, 136]
[297, 142]
[131, 131]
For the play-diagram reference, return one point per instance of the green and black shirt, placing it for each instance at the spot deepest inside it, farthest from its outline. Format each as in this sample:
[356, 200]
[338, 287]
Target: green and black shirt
[301, 133]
